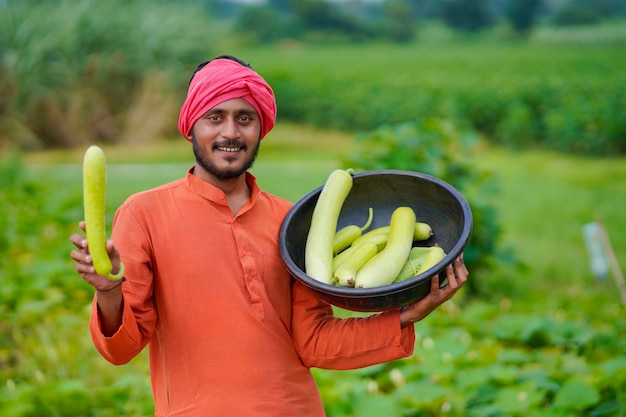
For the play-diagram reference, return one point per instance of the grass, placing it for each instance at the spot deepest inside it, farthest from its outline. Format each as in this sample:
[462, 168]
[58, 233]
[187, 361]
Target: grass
[292, 161]
[545, 199]
[607, 33]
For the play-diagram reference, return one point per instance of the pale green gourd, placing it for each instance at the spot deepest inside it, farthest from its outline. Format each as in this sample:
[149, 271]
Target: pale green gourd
[384, 267]
[318, 257]
[94, 192]
[346, 235]
[422, 231]
[345, 274]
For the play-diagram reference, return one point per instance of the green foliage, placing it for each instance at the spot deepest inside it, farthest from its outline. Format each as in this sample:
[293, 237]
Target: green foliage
[46, 357]
[528, 346]
[466, 15]
[93, 74]
[322, 21]
[609, 33]
[483, 361]
[264, 24]
[400, 20]
[567, 98]
[324, 17]
[575, 13]
[75, 72]
[522, 13]
[436, 147]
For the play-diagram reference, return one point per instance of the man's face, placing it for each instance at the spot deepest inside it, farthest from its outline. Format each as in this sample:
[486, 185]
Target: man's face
[226, 139]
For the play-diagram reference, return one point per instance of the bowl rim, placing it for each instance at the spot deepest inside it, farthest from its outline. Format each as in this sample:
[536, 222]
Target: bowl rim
[389, 289]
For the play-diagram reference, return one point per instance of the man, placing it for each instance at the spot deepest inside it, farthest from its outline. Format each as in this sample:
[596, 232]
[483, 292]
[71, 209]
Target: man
[230, 333]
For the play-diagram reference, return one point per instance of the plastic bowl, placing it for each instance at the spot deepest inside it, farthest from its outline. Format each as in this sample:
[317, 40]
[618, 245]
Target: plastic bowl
[434, 202]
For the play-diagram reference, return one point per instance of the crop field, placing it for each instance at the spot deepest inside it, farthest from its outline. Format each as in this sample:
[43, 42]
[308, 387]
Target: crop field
[547, 339]
[567, 97]
[542, 336]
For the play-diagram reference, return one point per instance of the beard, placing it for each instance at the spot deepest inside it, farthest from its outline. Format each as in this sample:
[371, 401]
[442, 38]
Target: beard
[229, 173]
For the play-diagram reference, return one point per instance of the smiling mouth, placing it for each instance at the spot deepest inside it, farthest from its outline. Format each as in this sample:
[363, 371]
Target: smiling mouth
[232, 149]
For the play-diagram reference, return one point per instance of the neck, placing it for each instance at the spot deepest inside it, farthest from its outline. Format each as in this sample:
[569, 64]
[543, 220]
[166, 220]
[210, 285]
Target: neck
[236, 189]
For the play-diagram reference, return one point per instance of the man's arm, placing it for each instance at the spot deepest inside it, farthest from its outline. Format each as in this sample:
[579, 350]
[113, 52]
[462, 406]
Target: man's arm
[109, 292]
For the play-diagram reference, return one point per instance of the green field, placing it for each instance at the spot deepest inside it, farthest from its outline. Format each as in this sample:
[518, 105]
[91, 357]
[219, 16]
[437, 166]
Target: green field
[560, 89]
[566, 97]
[547, 331]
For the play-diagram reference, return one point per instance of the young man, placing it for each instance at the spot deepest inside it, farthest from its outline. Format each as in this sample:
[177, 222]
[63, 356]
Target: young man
[230, 332]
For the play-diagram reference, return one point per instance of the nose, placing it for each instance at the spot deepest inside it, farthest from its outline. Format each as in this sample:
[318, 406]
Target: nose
[230, 129]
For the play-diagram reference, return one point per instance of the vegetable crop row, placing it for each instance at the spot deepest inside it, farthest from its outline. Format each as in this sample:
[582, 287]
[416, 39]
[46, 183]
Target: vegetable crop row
[560, 98]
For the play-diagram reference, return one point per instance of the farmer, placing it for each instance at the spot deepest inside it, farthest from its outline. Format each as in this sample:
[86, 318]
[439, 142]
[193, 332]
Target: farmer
[230, 332]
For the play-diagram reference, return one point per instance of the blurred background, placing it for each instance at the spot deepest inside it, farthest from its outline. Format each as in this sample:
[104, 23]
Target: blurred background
[517, 103]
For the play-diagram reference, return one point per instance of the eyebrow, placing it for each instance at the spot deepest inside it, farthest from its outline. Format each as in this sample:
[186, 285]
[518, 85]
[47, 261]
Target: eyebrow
[250, 112]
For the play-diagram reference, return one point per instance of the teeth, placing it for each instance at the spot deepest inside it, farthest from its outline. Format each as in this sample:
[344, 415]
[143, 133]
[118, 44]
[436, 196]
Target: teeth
[228, 149]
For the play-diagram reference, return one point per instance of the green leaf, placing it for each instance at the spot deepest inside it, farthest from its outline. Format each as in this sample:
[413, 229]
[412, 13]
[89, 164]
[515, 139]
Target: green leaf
[470, 379]
[504, 374]
[615, 367]
[375, 406]
[518, 399]
[421, 393]
[576, 394]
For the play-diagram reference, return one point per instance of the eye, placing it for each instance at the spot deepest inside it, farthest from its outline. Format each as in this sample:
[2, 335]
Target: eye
[213, 116]
[245, 118]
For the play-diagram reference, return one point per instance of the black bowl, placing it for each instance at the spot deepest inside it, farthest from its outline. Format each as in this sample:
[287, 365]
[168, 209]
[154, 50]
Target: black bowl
[434, 202]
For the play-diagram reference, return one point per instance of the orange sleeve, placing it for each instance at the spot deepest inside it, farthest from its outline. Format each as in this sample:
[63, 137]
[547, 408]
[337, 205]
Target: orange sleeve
[139, 314]
[125, 344]
[329, 342]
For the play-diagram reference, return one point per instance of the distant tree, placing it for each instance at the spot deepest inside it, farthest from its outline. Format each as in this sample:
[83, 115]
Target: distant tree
[576, 13]
[602, 8]
[318, 14]
[521, 14]
[285, 6]
[265, 24]
[425, 9]
[400, 20]
[321, 15]
[466, 15]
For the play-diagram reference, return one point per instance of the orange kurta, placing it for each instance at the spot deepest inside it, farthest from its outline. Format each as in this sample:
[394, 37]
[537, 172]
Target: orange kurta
[230, 333]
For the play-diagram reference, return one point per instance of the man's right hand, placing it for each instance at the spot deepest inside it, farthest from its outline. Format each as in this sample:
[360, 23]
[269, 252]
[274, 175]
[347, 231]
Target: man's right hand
[84, 263]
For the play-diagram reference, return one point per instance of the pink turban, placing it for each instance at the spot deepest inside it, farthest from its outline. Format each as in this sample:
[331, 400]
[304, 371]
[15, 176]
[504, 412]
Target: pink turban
[221, 80]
